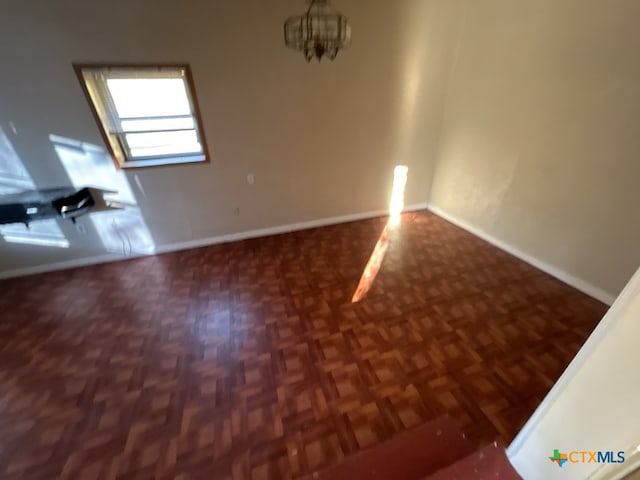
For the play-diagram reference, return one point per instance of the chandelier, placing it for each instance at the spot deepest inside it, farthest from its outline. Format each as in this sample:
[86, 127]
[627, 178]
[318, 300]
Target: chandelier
[322, 31]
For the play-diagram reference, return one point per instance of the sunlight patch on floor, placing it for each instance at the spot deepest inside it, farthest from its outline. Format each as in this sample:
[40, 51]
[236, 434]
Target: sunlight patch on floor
[396, 205]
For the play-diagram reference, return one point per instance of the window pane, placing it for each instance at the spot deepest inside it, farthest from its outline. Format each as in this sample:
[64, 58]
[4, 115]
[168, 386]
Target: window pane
[157, 124]
[149, 97]
[166, 150]
[163, 143]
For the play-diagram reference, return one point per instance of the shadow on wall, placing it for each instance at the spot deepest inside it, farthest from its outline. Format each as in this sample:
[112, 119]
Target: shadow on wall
[123, 231]
[120, 231]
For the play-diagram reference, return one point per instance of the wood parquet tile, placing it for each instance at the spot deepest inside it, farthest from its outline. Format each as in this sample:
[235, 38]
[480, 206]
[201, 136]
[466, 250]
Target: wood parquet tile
[248, 360]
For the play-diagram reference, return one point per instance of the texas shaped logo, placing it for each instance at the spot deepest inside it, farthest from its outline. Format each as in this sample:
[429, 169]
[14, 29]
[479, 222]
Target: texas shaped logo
[559, 458]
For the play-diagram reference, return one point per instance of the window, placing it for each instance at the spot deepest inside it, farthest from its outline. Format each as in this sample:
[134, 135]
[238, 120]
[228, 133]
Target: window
[147, 115]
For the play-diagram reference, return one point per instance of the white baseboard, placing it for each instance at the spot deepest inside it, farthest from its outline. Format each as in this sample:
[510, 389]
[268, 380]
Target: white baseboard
[294, 227]
[585, 287]
[203, 242]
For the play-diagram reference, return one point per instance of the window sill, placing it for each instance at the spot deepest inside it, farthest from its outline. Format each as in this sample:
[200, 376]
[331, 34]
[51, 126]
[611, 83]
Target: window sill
[163, 161]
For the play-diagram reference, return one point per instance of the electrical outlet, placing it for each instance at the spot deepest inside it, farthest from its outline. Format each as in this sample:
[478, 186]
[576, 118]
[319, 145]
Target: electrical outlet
[250, 179]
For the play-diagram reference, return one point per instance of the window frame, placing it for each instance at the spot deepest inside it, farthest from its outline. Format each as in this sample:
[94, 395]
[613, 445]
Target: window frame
[118, 152]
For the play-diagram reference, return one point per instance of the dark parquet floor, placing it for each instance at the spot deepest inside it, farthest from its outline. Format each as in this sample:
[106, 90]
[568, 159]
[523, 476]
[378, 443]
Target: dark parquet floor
[248, 360]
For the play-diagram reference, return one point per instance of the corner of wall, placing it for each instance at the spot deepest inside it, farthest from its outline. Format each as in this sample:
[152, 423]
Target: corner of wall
[579, 284]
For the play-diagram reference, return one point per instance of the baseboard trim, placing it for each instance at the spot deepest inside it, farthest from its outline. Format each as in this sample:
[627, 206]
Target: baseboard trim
[577, 283]
[203, 242]
[293, 227]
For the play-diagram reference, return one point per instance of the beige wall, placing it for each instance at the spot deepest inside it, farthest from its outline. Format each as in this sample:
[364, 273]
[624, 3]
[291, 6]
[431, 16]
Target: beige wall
[321, 140]
[539, 145]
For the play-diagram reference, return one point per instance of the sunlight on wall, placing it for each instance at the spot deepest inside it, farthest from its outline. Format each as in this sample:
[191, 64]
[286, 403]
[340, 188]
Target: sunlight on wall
[15, 178]
[415, 46]
[122, 231]
[397, 194]
[396, 206]
[44, 233]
